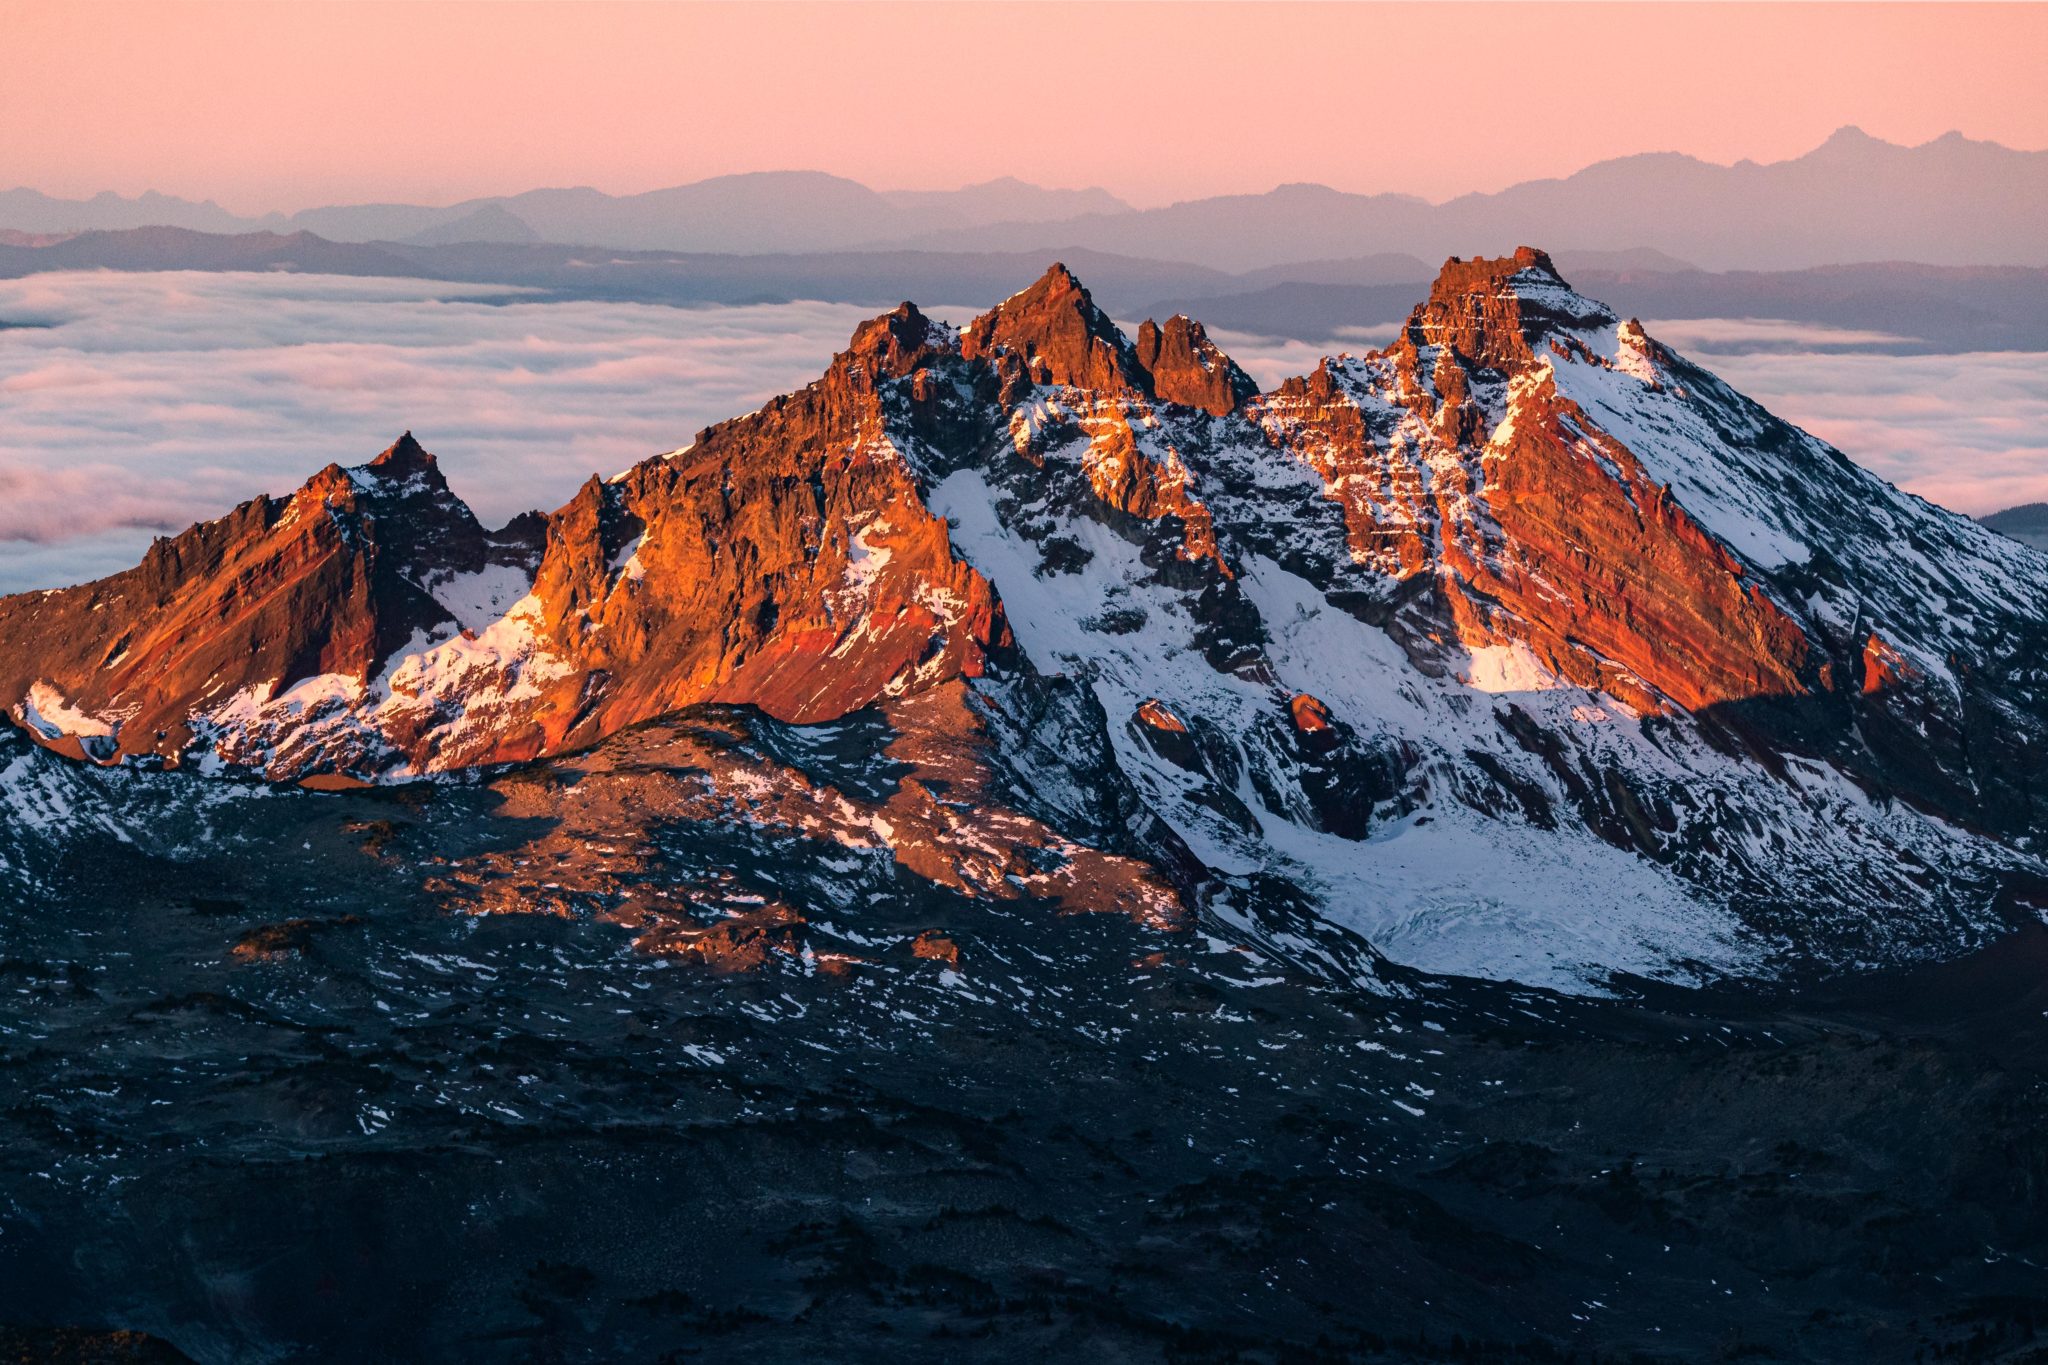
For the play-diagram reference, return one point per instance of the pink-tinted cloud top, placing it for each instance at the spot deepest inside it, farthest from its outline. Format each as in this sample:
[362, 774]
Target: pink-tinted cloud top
[284, 106]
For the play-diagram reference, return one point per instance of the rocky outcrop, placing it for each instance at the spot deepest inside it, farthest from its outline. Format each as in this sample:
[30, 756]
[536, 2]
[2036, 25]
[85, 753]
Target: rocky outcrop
[1053, 333]
[1456, 459]
[1311, 718]
[1626, 604]
[1186, 367]
[784, 560]
[1493, 314]
[943, 819]
[1592, 565]
[936, 947]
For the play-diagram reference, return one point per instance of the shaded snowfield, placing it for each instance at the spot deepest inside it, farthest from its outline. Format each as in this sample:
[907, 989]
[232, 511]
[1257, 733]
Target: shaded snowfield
[134, 404]
[1450, 892]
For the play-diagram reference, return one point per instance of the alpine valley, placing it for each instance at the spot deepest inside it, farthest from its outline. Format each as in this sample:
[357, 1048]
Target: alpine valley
[1499, 848]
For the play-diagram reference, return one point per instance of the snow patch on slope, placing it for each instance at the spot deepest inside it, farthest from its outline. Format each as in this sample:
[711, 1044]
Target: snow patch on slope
[1512, 667]
[479, 598]
[46, 711]
[1716, 483]
[1447, 890]
[459, 693]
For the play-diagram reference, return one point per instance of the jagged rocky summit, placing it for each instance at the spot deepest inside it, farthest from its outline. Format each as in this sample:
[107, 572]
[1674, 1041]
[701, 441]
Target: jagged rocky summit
[1521, 648]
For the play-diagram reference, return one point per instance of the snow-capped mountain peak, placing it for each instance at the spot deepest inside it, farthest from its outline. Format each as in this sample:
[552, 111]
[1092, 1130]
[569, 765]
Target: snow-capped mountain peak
[1520, 647]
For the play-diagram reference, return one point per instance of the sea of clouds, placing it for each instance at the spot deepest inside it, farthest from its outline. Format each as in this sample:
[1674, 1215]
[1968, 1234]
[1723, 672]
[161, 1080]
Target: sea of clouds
[1969, 431]
[134, 404]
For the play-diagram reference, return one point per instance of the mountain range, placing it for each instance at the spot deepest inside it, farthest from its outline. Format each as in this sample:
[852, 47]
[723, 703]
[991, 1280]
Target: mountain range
[1035, 846]
[1855, 198]
[1522, 648]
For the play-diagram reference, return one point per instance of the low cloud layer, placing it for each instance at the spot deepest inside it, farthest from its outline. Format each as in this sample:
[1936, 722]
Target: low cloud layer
[135, 404]
[1273, 359]
[1967, 431]
[1726, 335]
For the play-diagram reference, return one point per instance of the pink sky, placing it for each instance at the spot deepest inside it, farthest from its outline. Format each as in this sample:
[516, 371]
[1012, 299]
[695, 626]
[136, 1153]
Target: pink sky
[282, 106]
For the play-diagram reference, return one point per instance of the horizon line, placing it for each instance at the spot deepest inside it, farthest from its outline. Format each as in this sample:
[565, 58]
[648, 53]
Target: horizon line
[213, 201]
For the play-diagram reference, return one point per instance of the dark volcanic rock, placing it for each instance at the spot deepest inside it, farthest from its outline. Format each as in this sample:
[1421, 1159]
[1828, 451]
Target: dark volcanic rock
[454, 1131]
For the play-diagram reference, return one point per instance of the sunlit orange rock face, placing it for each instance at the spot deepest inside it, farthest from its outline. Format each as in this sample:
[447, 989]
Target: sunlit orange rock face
[1188, 368]
[1146, 484]
[785, 560]
[1883, 666]
[1156, 714]
[1053, 337]
[1538, 527]
[1053, 333]
[1044, 618]
[1474, 315]
[325, 582]
[788, 559]
[936, 947]
[1309, 715]
[1596, 567]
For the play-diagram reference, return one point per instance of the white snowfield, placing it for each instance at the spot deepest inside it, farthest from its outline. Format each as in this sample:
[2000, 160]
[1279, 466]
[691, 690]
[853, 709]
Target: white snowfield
[1445, 890]
[45, 711]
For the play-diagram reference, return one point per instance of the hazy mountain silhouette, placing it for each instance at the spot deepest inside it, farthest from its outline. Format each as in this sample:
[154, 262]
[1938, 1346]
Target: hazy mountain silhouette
[2027, 522]
[491, 223]
[1920, 308]
[32, 211]
[765, 211]
[174, 248]
[1004, 200]
[1855, 198]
